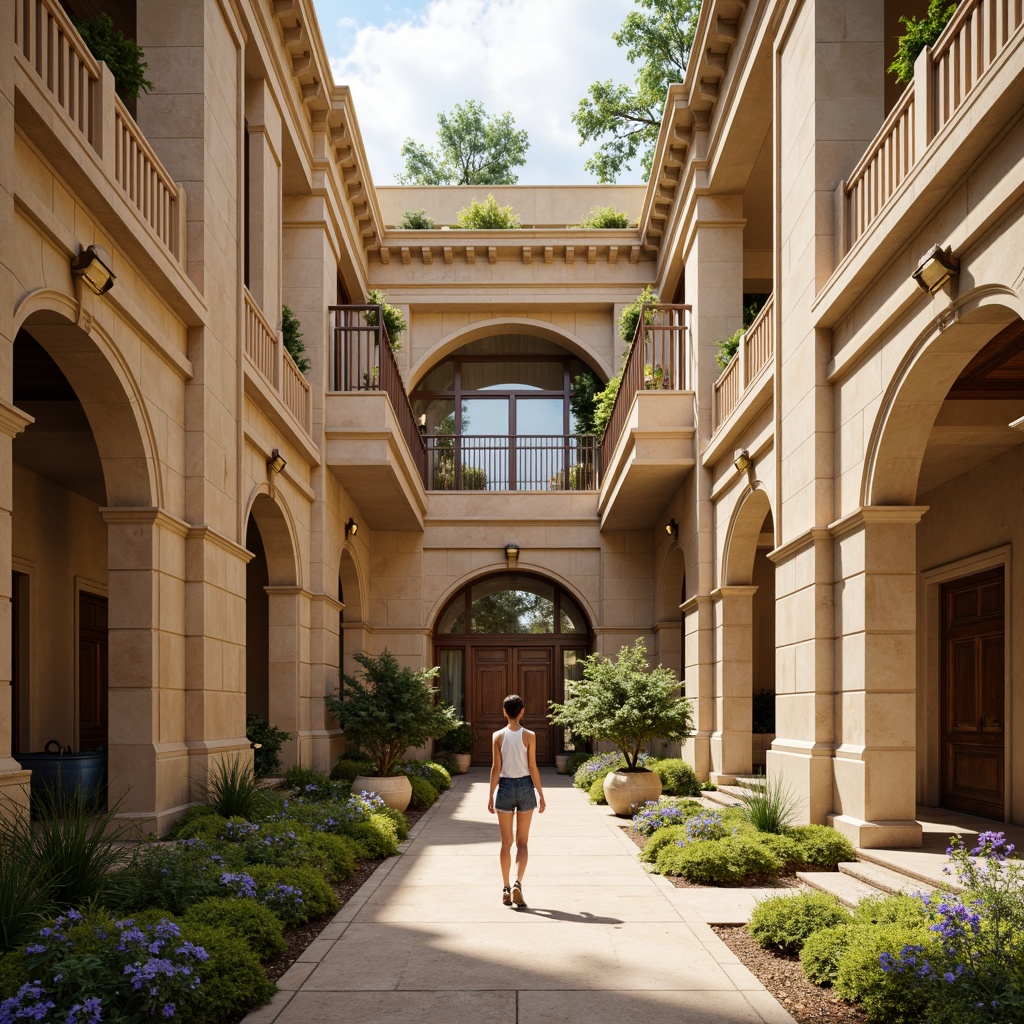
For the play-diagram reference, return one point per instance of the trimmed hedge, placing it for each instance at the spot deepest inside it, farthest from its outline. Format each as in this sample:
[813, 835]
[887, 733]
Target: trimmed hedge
[783, 923]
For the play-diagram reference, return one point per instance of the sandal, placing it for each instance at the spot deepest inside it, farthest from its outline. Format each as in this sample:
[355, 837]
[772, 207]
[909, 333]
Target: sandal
[517, 894]
[506, 896]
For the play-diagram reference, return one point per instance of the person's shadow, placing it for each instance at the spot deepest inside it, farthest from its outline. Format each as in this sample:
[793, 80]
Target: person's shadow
[560, 915]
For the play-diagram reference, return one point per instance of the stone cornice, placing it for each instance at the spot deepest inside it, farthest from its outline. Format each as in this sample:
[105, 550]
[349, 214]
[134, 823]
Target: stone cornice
[907, 515]
[146, 515]
[12, 420]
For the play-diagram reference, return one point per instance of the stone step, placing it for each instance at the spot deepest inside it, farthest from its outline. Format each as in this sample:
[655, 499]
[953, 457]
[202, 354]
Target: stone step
[847, 889]
[926, 872]
[884, 879]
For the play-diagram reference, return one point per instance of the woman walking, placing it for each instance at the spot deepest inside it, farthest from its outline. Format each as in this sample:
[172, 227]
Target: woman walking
[515, 776]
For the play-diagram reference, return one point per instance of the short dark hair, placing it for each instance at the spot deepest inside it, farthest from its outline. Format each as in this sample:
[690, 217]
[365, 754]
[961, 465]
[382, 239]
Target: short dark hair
[512, 704]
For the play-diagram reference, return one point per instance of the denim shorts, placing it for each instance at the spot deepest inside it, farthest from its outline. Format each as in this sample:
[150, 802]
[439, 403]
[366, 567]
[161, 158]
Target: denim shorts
[515, 795]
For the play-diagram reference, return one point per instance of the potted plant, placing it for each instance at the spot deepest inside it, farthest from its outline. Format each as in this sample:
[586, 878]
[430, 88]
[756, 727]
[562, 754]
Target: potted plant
[388, 710]
[457, 742]
[627, 703]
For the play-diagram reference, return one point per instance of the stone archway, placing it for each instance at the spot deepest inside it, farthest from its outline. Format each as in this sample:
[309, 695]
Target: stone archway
[276, 625]
[745, 629]
[96, 554]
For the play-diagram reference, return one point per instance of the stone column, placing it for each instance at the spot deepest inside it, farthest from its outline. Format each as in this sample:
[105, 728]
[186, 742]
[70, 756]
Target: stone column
[13, 781]
[876, 676]
[698, 659]
[147, 752]
[325, 741]
[734, 681]
[289, 670]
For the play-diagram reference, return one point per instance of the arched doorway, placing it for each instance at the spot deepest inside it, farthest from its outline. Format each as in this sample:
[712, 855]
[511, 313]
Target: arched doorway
[510, 633]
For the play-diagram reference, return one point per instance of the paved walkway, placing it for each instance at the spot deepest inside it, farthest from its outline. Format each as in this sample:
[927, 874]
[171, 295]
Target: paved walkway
[427, 939]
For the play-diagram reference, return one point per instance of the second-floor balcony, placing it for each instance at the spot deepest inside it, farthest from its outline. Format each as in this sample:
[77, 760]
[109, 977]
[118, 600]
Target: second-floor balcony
[476, 436]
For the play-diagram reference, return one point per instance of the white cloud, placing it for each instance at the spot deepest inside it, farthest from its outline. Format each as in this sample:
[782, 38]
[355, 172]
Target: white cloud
[534, 58]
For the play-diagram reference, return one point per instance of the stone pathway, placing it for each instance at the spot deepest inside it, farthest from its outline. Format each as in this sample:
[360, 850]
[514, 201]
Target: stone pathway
[427, 938]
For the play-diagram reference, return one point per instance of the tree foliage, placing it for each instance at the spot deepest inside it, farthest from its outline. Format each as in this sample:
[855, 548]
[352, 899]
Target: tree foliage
[291, 334]
[487, 215]
[918, 35]
[473, 149]
[626, 119]
[389, 709]
[605, 217]
[625, 702]
[122, 55]
[394, 322]
[416, 220]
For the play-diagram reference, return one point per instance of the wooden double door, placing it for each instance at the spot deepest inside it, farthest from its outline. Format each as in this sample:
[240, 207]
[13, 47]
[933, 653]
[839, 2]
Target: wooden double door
[973, 694]
[496, 670]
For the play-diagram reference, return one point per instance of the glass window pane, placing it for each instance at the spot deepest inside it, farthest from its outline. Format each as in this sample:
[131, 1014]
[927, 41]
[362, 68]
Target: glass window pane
[540, 416]
[485, 416]
[453, 618]
[452, 680]
[571, 618]
[439, 413]
[511, 605]
[440, 378]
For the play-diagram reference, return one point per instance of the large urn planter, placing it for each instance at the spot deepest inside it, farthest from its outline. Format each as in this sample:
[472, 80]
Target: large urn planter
[64, 773]
[627, 792]
[462, 762]
[562, 764]
[394, 790]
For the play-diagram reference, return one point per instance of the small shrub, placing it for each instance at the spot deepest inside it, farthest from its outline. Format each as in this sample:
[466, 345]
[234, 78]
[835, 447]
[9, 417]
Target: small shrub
[397, 818]
[206, 827]
[374, 838]
[233, 981]
[394, 322]
[705, 826]
[416, 220]
[728, 347]
[172, 878]
[487, 215]
[821, 952]
[423, 793]
[291, 335]
[122, 55]
[437, 776]
[821, 846]
[232, 790]
[293, 894]
[605, 217]
[670, 835]
[181, 829]
[770, 805]
[890, 996]
[787, 850]
[597, 791]
[629, 318]
[677, 777]
[896, 908]
[656, 814]
[783, 923]
[575, 761]
[447, 762]
[456, 741]
[718, 862]
[346, 770]
[300, 777]
[918, 35]
[247, 918]
[597, 766]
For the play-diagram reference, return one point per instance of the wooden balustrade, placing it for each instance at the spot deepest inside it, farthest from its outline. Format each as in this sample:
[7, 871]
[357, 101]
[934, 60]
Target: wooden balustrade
[945, 75]
[362, 360]
[48, 40]
[756, 348]
[657, 361]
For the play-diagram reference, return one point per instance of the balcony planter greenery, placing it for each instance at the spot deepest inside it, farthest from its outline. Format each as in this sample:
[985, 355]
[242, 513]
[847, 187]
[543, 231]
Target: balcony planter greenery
[627, 703]
[394, 322]
[387, 711]
[122, 55]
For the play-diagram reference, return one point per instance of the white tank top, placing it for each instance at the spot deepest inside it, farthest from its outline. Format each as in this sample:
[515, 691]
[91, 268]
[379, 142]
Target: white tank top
[515, 763]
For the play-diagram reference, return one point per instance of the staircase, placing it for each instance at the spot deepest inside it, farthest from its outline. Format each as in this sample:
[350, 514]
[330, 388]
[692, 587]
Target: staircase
[875, 872]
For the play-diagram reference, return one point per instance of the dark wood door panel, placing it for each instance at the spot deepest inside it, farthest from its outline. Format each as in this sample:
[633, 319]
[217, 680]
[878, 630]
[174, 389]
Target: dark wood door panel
[92, 672]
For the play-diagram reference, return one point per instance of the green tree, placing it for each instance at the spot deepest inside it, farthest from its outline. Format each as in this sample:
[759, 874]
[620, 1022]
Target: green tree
[291, 333]
[624, 702]
[473, 149]
[122, 55]
[626, 119]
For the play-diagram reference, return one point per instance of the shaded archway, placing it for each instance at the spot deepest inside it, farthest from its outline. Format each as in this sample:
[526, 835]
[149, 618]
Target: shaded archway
[273, 620]
[745, 628]
[509, 633]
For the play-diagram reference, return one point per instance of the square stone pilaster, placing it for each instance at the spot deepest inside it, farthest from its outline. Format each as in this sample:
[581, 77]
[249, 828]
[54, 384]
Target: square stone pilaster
[289, 671]
[876, 676]
[734, 681]
[698, 662]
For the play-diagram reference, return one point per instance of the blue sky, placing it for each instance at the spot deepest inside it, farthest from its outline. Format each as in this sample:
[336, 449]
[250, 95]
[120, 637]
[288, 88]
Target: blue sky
[407, 60]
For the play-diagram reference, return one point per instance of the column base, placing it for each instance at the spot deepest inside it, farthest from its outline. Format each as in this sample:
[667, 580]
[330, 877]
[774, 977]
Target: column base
[876, 835]
[722, 779]
[14, 789]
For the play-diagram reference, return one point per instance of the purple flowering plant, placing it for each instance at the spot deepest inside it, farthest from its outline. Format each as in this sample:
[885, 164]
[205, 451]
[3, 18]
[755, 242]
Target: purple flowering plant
[657, 814]
[974, 972]
[86, 969]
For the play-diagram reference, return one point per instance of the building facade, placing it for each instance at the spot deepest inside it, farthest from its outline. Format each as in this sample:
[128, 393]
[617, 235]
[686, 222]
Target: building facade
[828, 528]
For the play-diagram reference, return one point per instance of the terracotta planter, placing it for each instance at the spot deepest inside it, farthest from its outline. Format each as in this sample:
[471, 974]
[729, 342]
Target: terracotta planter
[394, 790]
[462, 762]
[627, 792]
[562, 764]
